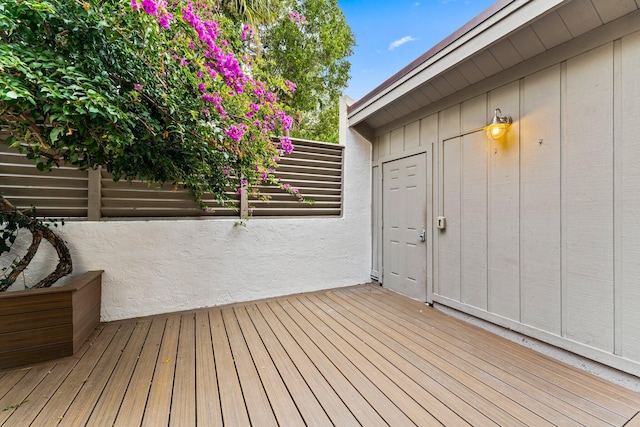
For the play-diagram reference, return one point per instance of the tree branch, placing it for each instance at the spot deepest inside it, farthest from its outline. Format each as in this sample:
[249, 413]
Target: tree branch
[38, 231]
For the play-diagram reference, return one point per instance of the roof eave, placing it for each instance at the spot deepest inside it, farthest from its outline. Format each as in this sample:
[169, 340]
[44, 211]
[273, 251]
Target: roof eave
[495, 23]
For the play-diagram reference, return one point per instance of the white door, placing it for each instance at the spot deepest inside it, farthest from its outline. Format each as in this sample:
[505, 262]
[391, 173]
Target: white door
[404, 216]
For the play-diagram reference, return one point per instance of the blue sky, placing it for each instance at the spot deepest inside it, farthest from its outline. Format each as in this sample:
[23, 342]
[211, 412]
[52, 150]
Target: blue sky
[390, 34]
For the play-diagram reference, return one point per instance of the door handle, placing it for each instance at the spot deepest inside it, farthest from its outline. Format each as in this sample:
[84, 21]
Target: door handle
[422, 235]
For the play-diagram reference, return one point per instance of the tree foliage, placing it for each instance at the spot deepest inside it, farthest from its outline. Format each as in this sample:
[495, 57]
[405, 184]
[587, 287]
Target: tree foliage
[252, 12]
[97, 84]
[310, 45]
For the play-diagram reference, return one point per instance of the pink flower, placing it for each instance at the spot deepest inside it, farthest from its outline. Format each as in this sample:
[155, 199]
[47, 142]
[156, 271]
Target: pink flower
[291, 86]
[236, 132]
[165, 20]
[137, 86]
[297, 18]
[135, 5]
[286, 145]
[246, 30]
[150, 7]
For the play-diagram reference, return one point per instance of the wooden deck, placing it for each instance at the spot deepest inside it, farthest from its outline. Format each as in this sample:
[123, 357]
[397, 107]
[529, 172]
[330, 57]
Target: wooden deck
[355, 356]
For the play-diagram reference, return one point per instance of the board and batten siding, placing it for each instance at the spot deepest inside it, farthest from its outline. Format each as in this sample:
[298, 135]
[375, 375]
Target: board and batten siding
[543, 234]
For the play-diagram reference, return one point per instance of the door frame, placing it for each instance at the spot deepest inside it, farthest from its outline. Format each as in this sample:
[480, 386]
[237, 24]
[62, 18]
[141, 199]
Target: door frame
[377, 212]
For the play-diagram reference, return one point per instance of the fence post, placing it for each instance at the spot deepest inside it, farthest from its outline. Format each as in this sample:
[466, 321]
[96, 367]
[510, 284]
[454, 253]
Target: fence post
[244, 203]
[94, 197]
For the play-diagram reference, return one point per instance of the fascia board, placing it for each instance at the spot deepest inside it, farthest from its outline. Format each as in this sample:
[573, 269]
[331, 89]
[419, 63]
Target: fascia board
[504, 22]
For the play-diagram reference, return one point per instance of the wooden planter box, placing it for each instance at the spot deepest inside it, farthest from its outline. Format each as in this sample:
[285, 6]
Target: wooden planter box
[44, 324]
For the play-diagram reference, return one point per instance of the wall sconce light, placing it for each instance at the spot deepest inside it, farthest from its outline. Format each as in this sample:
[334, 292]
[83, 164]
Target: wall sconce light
[498, 125]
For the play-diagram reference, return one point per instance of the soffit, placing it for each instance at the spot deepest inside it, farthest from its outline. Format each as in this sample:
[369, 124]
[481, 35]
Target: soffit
[506, 34]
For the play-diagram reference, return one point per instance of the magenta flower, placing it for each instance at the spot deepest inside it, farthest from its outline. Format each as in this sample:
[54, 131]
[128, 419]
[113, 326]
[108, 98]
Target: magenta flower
[165, 20]
[246, 31]
[286, 145]
[236, 132]
[297, 18]
[150, 7]
[137, 86]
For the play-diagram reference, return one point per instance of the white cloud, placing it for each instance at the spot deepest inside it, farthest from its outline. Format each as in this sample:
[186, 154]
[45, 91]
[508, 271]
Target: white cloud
[396, 44]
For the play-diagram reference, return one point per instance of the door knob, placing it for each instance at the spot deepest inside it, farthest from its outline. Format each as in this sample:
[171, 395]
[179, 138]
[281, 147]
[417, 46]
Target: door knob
[422, 235]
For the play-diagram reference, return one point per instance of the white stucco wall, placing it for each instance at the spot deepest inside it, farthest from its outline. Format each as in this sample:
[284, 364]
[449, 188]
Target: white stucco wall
[160, 266]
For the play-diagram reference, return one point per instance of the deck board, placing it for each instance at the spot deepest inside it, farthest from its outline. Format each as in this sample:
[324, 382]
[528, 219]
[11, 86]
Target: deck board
[93, 386]
[253, 391]
[208, 410]
[109, 402]
[303, 380]
[133, 405]
[285, 410]
[478, 341]
[234, 408]
[396, 385]
[362, 397]
[518, 384]
[350, 356]
[183, 400]
[158, 405]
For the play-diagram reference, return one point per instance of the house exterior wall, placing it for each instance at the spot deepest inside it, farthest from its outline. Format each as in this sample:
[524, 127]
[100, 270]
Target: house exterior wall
[542, 231]
[160, 266]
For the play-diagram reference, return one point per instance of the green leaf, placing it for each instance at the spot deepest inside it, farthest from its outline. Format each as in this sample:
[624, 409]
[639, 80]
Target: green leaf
[11, 95]
[55, 133]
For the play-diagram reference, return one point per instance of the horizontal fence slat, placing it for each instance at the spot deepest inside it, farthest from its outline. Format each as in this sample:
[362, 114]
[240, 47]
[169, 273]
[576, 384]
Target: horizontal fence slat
[288, 197]
[304, 155]
[157, 195]
[15, 159]
[310, 171]
[42, 182]
[297, 212]
[31, 192]
[330, 150]
[164, 212]
[44, 202]
[292, 176]
[29, 170]
[160, 204]
[310, 191]
[56, 212]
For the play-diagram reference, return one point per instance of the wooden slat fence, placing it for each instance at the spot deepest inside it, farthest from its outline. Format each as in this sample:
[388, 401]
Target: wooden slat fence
[60, 193]
[315, 168]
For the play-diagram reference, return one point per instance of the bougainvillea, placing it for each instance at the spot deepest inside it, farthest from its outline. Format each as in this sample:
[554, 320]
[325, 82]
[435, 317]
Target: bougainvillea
[153, 90]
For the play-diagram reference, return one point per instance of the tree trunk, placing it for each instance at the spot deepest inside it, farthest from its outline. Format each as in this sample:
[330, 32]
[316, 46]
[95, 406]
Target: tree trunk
[38, 231]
